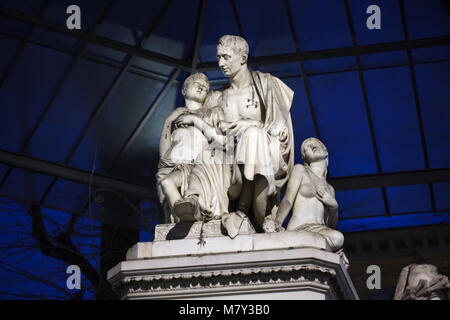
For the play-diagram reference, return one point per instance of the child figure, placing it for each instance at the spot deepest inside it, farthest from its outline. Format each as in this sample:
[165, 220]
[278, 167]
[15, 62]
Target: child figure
[181, 145]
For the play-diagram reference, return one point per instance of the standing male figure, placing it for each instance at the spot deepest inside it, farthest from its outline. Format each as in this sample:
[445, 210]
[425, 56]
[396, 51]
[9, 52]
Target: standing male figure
[256, 113]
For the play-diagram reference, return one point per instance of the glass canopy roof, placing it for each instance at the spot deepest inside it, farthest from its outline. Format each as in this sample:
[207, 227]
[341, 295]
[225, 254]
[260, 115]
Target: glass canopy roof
[94, 101]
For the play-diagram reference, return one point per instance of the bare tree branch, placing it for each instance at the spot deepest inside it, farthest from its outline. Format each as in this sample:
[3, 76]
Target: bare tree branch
[63, 249]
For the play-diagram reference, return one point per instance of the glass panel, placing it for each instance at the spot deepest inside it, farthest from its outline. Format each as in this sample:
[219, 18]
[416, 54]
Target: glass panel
[175, 41]
[3, 169]
[427, 18]
[27, 91]
[360, 203]
[302, 123]
[27, 185]
[68, 195]
[280, 70]
[433, 85]
[106, 53]
[391, 101]
[320, 24]
[382, 59]
[72, 110]
[409, 198]
[9, 26]
[9, 50]
[57, 40]
[90, 12]
[431, 54]
[400, 221]
[270, 32]
[219, 20]
[129, 102]
[343, 124]
[143, 155]
[442, 192]
[27, 6]
[329, 65]
[128, 21]
[391, 21]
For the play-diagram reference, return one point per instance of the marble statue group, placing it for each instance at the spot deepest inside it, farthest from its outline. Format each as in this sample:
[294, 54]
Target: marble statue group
[227, 153]
[227, 170]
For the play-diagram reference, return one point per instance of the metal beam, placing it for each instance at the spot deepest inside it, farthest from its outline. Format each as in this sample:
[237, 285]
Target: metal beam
[145, 119]
[198, 35]
[253, 61]
[214, 82]
[96, 59]
[223, 81]
[302, 69]
[101, 218]
[56, 92]
[336, 52]
[340, 183]
[99, 40]
[383, 180]
[237, 19]
[21, 47]
[105, 99]
[74, 174]
[366, 101]
[140, 126]
[417, 101]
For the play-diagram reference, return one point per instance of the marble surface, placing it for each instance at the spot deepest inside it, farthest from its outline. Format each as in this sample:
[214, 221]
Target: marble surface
[302, 273]
[221, 244]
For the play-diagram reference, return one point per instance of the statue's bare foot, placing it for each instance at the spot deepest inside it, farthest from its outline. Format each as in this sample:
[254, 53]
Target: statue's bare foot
[232, 222]
[270, 225]
[187, 209]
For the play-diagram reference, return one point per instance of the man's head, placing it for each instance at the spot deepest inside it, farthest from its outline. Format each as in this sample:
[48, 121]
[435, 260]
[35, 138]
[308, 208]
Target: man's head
[196, 87]
[313, 150]
[232, 54]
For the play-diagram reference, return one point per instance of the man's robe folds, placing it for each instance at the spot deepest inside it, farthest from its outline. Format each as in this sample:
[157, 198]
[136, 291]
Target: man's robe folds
[268, 150]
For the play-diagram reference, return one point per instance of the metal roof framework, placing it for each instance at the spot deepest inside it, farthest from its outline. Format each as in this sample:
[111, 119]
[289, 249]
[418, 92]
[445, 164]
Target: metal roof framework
[63, 170]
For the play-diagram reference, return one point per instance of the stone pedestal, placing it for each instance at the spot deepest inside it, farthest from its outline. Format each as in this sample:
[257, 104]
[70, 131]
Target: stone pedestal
[267, 266]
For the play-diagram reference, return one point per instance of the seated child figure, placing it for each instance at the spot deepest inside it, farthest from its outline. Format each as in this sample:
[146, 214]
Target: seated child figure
[181, 145]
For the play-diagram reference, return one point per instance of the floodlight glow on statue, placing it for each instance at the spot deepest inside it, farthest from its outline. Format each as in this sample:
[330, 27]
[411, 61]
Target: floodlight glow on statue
[255, 108]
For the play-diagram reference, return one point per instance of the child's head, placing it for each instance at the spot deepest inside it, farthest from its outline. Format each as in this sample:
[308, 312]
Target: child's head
[196, 87]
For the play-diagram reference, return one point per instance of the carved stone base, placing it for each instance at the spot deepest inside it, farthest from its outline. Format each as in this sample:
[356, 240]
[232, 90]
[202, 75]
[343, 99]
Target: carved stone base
[189, 230]
[287, 265]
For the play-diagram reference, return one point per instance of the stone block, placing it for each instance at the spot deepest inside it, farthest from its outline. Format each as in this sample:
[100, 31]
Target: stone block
[193, 246]
[191, 230]
[289, 239]
[293, 273]
[140, 250]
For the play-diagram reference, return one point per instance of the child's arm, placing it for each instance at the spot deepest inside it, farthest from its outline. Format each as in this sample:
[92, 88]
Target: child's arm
[165, 142]
[209, 132]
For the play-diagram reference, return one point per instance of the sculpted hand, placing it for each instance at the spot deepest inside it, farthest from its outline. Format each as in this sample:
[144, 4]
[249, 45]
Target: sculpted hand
[241, 125]
[176, 113]
[326, 198]
[283, 135]
[185, 120]
[270, 225]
